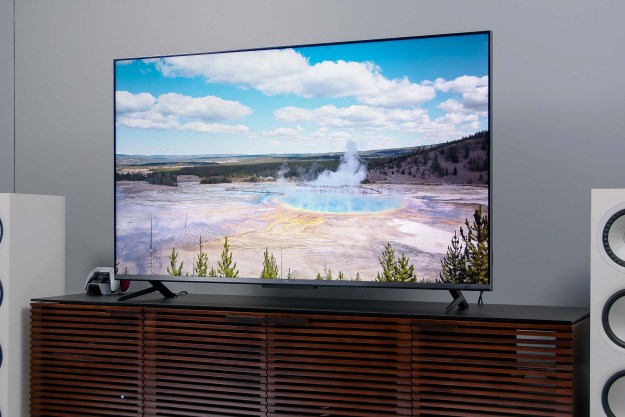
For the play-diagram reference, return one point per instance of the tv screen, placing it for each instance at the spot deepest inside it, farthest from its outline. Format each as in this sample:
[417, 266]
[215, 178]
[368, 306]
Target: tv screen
[357, 163]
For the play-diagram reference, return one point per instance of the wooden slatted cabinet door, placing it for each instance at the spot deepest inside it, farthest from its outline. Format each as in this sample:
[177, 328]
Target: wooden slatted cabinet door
[86, 361]
[471, 369]
[325, 365]
[203, 363]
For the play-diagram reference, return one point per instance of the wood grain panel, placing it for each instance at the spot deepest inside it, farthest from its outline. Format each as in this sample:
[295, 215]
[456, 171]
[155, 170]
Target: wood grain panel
[96, 361]
[471, 369]
[204, 363]
[86, 360]
[322, 365]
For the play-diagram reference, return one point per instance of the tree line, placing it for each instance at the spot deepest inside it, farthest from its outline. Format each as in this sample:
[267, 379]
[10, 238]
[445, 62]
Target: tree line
[466, 261]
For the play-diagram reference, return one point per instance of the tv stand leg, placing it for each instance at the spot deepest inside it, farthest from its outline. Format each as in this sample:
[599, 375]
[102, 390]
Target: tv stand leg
[459, 301]
[156, 286]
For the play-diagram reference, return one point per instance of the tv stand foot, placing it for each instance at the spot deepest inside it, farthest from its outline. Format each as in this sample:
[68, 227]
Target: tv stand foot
[459, 301]
[156, 286]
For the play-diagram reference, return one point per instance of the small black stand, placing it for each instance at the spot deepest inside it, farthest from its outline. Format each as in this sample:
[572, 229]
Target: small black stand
[459, 301]
[156, 286]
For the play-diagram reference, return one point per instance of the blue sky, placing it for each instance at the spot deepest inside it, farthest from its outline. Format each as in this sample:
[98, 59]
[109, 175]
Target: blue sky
[383, 94]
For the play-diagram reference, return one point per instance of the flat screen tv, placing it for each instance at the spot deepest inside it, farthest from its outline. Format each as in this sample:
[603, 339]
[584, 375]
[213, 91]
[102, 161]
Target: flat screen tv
[360, 163]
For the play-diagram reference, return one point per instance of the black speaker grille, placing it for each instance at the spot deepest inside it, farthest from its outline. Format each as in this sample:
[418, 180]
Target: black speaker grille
[606, 233]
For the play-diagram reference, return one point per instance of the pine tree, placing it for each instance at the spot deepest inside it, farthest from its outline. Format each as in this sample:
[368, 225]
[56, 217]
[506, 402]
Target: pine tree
[174, 269]
[270, 267]
[328, 276]
[212, 272]
[395, 269]
[290, 275]
[476, 248]
[387, 261]
[403, 271]
[200, 268]
[225, 267]
[453, 265]
[341, 276]
[357, 278]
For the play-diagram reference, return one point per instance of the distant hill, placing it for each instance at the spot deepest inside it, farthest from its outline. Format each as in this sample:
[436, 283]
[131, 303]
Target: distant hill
[464, 161]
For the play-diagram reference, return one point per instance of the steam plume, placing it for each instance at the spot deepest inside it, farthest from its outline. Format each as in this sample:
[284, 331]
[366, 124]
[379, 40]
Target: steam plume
[284, 169]
[350, 172]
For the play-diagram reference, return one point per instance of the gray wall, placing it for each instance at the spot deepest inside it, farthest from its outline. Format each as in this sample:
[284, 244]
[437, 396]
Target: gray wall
[557, 112]
[6, 96]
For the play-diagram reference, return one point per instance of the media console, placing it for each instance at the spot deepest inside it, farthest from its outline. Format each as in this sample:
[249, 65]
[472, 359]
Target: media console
[227, 356]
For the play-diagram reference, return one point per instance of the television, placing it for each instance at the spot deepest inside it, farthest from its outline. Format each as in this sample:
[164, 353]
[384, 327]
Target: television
[361, 163]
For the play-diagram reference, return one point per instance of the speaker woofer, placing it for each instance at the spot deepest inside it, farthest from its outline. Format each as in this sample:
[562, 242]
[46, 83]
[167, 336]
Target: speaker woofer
[612, 398]
[613, 318]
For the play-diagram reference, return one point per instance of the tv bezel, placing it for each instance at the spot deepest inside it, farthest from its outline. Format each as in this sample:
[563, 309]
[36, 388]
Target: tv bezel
[312, 282]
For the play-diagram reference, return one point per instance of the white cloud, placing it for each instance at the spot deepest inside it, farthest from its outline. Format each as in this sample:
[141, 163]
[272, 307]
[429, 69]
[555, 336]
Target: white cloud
[179, 112]
[371, 120]
[457, 118]
[286, 71]
[463, 84]
[209, 108]
[246, 69]
[283, 132]
[126, 102]
[474, 92]
[352, 116]
[477, 99]
[213, 128]
[148, 123]
[451, 106]
[472, 127]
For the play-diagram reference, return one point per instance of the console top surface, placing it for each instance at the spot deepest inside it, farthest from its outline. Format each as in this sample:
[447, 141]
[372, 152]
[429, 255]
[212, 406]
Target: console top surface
[417, 309]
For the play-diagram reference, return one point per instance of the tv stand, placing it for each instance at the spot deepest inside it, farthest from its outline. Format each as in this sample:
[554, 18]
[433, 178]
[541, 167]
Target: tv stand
[208, 355]
[459, 301]
[155, 286]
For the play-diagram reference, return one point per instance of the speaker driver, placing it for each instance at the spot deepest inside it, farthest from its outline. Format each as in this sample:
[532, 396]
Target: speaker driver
[613, 318]
[612, 397]
[614, 237]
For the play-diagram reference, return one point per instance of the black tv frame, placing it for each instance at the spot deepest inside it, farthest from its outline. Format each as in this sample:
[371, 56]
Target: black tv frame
[157, 281]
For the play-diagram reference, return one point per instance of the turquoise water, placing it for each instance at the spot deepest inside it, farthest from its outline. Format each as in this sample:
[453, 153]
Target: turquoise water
[340, 202]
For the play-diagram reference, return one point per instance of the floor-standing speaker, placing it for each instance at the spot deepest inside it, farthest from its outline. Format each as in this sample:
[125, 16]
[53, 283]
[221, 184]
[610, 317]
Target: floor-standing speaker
[607, 304]
[32, 264]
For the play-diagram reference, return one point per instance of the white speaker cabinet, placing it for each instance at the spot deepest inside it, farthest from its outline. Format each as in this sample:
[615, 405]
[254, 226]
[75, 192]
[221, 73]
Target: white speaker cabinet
[32, 264]
[607, 304]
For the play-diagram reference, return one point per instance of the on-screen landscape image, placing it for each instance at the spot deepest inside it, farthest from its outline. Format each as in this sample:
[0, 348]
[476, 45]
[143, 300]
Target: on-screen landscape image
[355, 162]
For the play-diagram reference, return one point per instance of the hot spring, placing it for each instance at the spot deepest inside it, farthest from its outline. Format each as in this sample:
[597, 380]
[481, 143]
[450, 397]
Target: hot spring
[339, 201]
